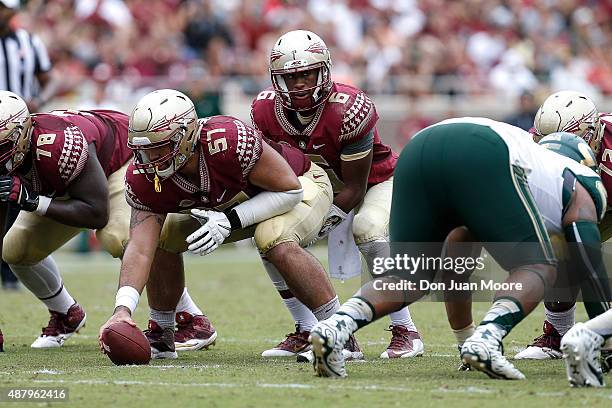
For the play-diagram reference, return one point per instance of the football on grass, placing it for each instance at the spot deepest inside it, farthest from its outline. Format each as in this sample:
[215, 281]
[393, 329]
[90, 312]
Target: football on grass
[125, 344]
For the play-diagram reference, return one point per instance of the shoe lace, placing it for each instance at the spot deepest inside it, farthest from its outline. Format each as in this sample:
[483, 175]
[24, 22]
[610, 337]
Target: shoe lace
[54, 326]
[546, 340]
[293, 338]
[399, 337]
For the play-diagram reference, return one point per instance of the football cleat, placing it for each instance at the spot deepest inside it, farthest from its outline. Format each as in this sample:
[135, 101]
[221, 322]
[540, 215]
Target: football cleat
[404, 343]
[328, 339]
[293, 344]
[1, 342]
[580, 347]
[161, 341]
[483, 351]
[61, 327]
[350, 352]
[545, 347]
[193, 332]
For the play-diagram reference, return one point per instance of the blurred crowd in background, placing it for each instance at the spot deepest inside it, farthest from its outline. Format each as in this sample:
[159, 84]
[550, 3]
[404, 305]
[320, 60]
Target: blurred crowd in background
[106, 50]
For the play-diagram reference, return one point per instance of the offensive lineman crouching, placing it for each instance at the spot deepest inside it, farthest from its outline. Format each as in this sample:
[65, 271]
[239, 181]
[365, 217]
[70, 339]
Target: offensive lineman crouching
[208, 166]
[65, 170]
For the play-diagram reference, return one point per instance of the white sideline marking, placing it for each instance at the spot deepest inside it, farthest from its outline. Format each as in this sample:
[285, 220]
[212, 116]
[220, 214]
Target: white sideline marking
[229, 385]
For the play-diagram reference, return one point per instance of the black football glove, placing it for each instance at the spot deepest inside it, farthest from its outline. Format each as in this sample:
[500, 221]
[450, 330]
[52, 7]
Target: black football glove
[12, 190]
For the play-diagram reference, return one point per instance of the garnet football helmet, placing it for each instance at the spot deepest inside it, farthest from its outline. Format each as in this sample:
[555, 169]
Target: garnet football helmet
[163, 119]
[573, 112]
[298, 51]
[15, 125]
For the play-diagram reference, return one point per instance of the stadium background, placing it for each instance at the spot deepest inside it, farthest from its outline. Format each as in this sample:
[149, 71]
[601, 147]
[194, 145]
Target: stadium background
[421, 61]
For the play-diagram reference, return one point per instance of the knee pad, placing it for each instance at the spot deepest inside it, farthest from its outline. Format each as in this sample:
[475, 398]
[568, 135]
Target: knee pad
[176, 229]
[16, 251]
[370, 224]
[112, 241]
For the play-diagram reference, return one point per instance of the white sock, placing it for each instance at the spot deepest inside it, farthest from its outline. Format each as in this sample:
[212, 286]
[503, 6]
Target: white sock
[461, 335]
[44, 281]
[303, 316]
[61, 302]
[561, 321]
[165, 318]
[601, 325]
[328, 309]
[402, 318]
[186, 304]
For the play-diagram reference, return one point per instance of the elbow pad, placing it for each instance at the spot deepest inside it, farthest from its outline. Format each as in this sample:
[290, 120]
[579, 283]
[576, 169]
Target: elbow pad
[263, 206]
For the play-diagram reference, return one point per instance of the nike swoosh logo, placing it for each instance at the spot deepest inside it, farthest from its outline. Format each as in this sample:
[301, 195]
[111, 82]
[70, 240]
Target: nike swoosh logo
[316, 147]
[221, 197]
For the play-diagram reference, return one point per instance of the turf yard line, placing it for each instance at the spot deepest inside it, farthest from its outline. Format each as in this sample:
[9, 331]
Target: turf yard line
[374, 387]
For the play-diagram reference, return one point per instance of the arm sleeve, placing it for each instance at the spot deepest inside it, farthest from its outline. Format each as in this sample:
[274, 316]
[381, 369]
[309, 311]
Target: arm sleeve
[263, 206]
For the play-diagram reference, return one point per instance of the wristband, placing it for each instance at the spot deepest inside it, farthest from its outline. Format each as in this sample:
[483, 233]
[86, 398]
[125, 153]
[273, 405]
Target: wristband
[43, 205]
[128, 297]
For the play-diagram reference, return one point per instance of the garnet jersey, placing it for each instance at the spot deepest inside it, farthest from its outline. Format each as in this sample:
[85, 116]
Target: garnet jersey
[605, 154]
[347, 117]
[108, 130]
[59, 148]
[228, 151]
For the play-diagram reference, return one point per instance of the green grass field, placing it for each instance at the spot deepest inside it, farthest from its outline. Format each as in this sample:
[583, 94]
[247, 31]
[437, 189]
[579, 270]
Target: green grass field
[233, 289]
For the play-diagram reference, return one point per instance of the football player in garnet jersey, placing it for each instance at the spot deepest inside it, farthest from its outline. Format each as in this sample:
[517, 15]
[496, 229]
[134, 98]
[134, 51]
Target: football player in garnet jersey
[335, 125]
[574, 112]
[65, 170]
[197, 183]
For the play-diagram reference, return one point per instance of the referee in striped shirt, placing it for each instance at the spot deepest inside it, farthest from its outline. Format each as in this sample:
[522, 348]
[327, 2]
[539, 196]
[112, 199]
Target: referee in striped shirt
[25, 69]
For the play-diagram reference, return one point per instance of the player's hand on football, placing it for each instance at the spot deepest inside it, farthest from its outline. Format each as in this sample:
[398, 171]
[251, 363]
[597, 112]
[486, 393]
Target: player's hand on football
[215, 228]
[13, 190]
[334, 218]
[121, 314]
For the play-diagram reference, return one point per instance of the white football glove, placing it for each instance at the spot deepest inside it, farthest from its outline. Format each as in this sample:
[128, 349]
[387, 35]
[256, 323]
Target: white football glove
[215, 228]
[334, 217]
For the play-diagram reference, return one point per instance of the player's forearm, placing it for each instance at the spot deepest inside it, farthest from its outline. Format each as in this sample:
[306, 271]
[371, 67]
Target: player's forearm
[78, 213]
[133, 277]
[350, 197]
[135, 269]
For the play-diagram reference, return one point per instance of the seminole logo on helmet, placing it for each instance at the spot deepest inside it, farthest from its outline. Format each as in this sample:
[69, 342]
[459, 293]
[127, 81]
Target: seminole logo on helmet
[162, 133]
[298, 51]
[15, 125]
[571, 146]
[573, 112]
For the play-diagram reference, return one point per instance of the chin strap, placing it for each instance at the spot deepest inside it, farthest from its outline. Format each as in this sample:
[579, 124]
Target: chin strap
[156, 182]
